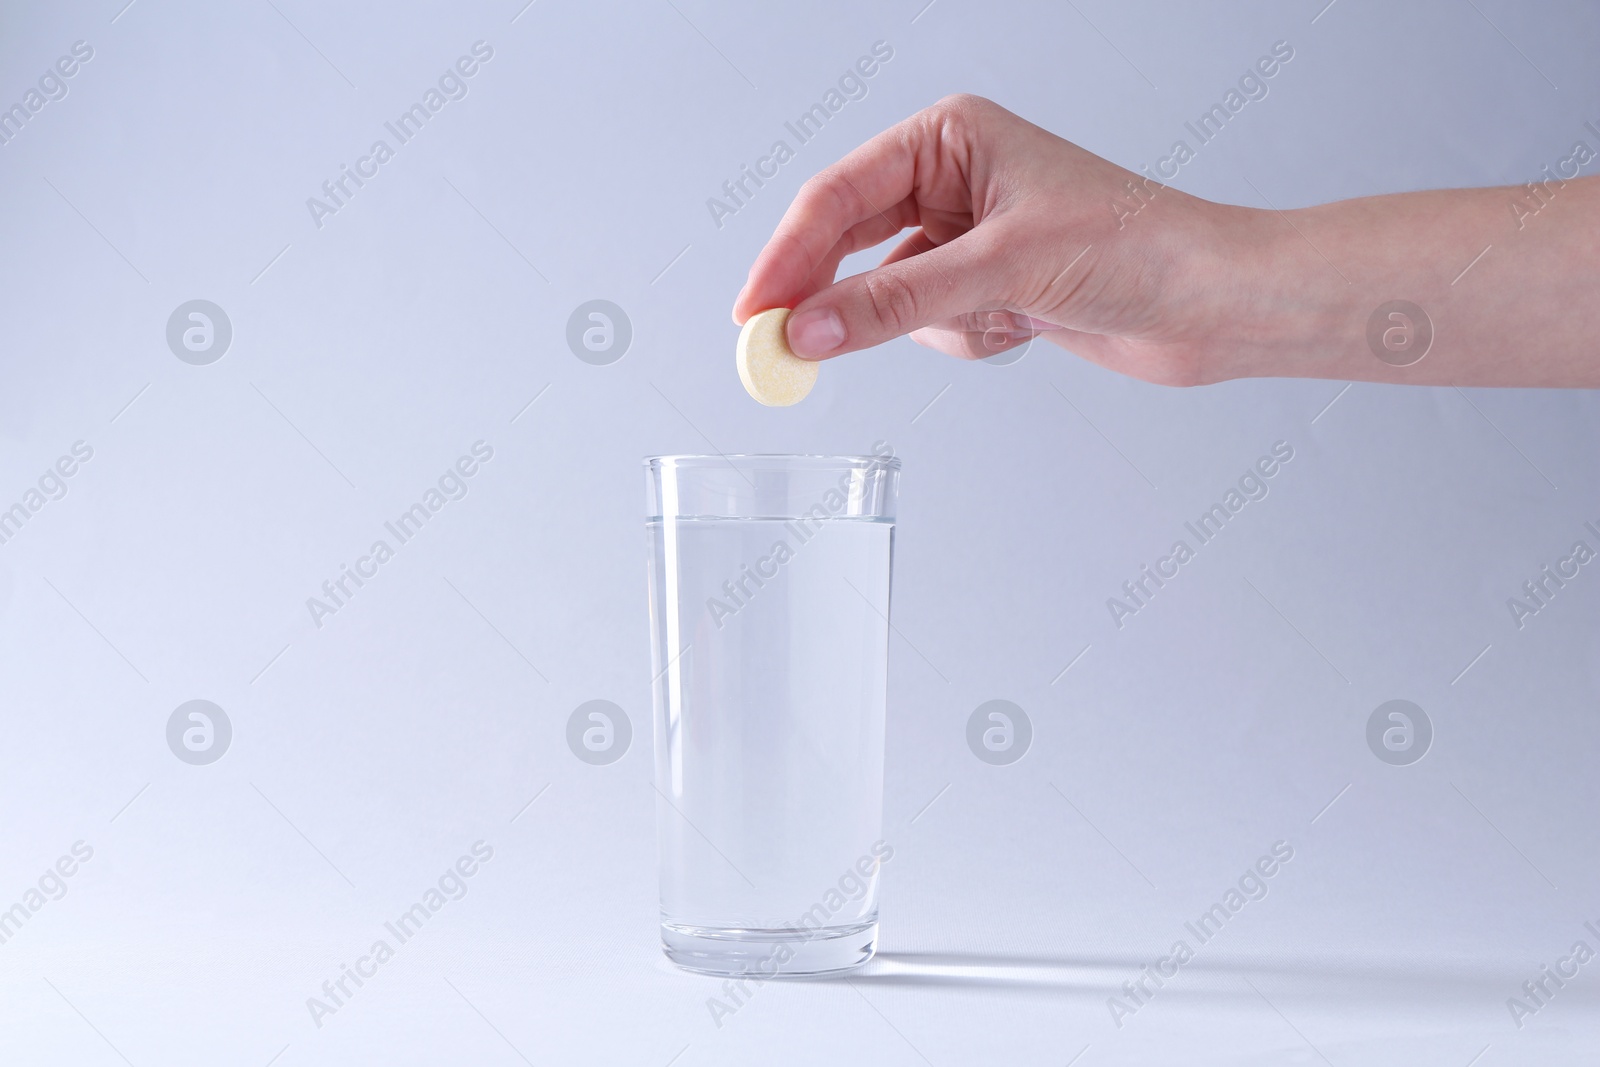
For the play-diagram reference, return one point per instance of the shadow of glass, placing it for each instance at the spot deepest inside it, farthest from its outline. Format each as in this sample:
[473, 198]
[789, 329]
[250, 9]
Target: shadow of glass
[1100, 976]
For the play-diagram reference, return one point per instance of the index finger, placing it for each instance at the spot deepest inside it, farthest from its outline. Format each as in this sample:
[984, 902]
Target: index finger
[876, 179]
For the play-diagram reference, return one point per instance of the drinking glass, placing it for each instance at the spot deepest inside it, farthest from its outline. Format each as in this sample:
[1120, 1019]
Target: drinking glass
[769, 620]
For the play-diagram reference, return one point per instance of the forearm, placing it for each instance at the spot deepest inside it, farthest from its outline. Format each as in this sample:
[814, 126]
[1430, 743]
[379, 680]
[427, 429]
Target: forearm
[1512, 297]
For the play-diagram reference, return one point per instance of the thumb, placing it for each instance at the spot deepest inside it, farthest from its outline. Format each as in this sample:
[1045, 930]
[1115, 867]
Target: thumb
[896, 298]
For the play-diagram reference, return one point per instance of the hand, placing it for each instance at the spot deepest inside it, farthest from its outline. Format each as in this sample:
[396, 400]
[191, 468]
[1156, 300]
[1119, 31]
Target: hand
[1019, 232]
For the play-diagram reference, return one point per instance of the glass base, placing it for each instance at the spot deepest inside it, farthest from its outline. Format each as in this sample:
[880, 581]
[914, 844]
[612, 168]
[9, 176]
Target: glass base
[762, 954]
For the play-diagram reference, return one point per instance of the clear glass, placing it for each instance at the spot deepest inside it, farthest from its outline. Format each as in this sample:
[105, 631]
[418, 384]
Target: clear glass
[769, 620]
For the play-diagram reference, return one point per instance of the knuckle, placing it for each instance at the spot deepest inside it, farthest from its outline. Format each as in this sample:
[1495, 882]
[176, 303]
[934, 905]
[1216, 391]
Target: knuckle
[892, 301]
[964, 113]
[964, 104]
[823, 191]
[989, 323]
[955, 110]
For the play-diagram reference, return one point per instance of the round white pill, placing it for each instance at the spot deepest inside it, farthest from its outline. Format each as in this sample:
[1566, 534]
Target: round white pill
[769, 369]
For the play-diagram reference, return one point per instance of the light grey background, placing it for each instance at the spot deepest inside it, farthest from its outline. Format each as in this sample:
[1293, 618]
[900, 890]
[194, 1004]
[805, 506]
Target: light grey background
[367, 355]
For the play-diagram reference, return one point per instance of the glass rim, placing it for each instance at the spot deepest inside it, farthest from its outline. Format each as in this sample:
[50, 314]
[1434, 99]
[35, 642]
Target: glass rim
[779, 460]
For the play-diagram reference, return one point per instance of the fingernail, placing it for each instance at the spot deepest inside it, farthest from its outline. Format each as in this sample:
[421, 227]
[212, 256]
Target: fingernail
[1037, 324]
[816, 332]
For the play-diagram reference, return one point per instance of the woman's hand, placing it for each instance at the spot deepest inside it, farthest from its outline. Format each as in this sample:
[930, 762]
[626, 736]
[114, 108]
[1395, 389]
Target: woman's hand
[1016, 232]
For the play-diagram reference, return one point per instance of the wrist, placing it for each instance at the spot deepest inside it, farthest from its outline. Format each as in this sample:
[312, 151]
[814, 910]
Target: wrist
[1273, 303]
